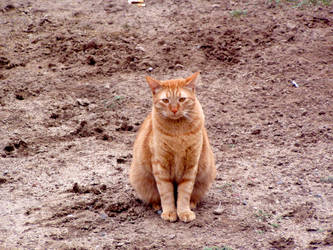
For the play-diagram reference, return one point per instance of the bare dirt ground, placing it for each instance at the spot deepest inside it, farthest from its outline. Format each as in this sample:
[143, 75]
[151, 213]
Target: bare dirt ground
[73, 95]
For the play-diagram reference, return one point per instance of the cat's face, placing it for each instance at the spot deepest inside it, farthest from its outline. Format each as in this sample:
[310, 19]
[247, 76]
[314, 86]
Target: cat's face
[174, 99]
[174, 103]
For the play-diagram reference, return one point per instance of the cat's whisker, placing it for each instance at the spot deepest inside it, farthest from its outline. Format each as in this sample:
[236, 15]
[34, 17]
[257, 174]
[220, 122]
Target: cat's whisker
[188, 116]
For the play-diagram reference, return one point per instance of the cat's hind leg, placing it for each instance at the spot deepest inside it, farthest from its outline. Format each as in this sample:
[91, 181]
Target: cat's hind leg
[144, 184]
[205, 177]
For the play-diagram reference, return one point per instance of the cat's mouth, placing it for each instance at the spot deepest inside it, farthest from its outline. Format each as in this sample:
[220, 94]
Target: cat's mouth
[172, 116]
[175, 116]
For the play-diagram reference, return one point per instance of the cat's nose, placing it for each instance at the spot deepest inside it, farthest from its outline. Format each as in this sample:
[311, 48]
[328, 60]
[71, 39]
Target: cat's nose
[174, 110]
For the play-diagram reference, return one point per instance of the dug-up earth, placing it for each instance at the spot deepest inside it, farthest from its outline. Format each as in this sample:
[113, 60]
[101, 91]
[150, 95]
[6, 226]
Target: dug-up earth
[73, 95]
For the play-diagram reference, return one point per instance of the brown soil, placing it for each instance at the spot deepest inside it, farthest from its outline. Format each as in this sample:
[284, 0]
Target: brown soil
[73, 94]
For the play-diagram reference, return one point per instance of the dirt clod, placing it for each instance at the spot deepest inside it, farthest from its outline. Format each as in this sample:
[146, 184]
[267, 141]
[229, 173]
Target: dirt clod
[283, 243]
[91, 60]
[4, 62]
[256, 132]
[76, 188]
[3, 180]
[125, 127]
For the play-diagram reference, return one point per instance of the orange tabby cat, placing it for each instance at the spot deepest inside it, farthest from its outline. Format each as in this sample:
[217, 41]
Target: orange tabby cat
[173, 164]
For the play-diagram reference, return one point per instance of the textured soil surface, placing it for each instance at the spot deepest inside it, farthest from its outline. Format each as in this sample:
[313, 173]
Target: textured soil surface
[73, 95]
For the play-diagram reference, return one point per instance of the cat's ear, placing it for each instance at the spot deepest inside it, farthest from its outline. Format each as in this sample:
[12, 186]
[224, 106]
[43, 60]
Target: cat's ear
[155, 85]
[191, 82]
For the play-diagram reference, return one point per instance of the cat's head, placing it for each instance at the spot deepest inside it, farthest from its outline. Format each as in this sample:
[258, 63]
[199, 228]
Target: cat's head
[174, 99]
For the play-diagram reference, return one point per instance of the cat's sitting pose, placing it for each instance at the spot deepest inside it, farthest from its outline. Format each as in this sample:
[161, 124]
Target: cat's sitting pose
[173, 164]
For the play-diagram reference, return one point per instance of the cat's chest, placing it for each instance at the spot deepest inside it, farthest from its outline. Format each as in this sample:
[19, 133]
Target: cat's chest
[177, 153]
[178, 150]
[179, 144]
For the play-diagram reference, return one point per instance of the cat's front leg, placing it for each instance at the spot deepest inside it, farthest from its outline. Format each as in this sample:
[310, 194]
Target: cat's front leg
[166, 190]
[185, 188]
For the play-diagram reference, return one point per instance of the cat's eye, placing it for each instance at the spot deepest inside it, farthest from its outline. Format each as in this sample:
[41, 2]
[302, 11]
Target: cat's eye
[165, 100]
[182, 99]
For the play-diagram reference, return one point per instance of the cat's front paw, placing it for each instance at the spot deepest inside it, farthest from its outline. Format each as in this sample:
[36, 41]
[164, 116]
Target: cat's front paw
[186, 216]
[169, 216]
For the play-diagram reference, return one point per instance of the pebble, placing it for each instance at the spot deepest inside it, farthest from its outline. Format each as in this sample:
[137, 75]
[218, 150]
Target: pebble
[120, 244]
[256, 132]
[103, 216]
[140, 48]
[291, 26]
[179, 66]
[218, 210]
[294, 84]
[150, 69]
[172, 236]
[83, 102]
[298, 182]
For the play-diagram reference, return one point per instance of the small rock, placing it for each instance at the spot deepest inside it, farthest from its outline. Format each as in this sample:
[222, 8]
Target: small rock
[20, 144]
[54, 116]
[104, 216]
[121, 160]
[311, 229]
[179, 66]
[90, 45]
[9, 148]
[91, 60]
[256, 132]
[9, 7]
[218, 210]
[291, 26]
[103, 187]
[329, 179]
[105, 137]
[150, 69]
[294, 84]
[76, 188]
[19, 97]
[172, 236]
[140, 48]
[82, 102]
[125, 127]
[99, 130]
[120, 244]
